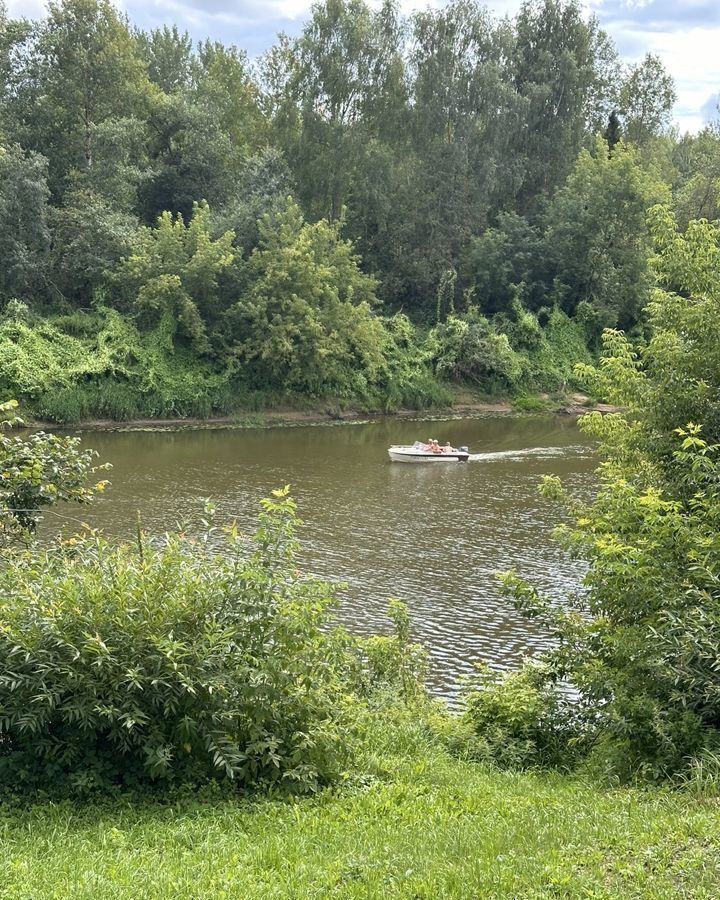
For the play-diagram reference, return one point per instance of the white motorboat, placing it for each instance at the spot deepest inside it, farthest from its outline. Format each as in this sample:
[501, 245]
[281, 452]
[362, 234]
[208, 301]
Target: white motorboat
[419, 453]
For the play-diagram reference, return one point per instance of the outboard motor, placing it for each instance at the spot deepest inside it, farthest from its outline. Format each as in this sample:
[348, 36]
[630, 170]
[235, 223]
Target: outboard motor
[464, 449]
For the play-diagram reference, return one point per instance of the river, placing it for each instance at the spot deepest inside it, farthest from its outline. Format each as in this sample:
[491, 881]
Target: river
[431, 535]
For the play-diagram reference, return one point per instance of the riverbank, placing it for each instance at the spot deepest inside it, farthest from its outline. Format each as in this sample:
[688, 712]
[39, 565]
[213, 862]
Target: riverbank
[424, 825]
[464, 407]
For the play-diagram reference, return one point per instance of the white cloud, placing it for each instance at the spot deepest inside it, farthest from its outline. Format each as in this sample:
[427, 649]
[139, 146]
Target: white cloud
[691, 56]
[29, 9]
[685, 34]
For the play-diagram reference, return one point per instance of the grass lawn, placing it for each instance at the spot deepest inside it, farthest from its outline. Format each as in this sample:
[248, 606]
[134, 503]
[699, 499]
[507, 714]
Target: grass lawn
[429, 827]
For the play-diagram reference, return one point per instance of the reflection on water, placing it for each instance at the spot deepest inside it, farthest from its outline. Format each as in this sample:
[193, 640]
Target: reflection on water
[431, 535]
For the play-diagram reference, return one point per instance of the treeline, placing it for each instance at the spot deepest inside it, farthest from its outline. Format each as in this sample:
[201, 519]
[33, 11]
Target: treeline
[376, 207]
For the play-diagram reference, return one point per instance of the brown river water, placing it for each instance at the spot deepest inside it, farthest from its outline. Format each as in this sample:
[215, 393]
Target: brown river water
[431, 535]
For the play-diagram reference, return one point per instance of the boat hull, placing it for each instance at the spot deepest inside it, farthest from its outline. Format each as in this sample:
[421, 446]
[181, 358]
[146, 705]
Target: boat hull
[411, 455]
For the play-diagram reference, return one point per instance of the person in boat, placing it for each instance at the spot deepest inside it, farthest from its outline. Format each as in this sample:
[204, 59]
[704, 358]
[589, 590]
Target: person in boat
[448, 448]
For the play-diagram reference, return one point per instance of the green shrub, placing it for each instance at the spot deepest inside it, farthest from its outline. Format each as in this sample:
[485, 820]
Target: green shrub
[639, 642]
[519, 719]
[525, 403]
[117, 400]
[549, 365]
[37, 471]
[393, 664]
[138, 664]
[469, 349]
[99, 365]
[66, 406]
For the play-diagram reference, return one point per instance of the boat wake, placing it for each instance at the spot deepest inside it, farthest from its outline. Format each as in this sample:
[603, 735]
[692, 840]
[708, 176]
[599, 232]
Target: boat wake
[575, 450]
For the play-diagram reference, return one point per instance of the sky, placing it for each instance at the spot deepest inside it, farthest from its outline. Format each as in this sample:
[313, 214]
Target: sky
[685, 34]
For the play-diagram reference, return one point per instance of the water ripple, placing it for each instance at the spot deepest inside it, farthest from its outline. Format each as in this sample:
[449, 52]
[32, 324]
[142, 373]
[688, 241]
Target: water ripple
[432, 536]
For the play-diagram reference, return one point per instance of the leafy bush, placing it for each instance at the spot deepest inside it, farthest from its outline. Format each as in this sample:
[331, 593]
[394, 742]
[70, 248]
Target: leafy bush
[38, 471]
[468, 349]
[172, 274]
[306, 324]
[393, 663]
[140, 664]
[519, 718]
[525, 403]
[407, 379]
[639, 641]
[99, 364]
[548, 355]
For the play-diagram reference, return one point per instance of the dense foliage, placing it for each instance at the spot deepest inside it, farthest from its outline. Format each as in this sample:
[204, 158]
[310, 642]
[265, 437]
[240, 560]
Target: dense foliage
[147, 663]
[447, 166]
[639, 642]
[38, 471]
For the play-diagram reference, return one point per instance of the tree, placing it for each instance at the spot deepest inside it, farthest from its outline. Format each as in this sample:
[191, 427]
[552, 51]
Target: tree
[697, 160]
[343, 84]
[169, 57]
[596, 240]
[13, 35]
[646, 99]
[639, 641]
[78, 68]
[262, 187]
[460, 98]
[506, 261]
[121, 164]
[24, 235]
[89, 237]
[224, 87]
[306, 323]
[563, 71]
[173, 275]
[191, 159]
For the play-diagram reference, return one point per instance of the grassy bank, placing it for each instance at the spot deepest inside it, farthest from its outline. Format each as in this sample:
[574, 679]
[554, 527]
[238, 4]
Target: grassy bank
[288, 417]
[425, 825]
[464, 405]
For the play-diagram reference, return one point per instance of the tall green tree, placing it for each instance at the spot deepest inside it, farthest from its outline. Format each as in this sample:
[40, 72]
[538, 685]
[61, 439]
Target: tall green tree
[345, 84]
[169, 56]
[564, 71]
[173, 277]
[224, 87]
[190, 159]
[306, 323]
[89, 237]
[24, 234]
[459, 106]
[646, 100]
[80, 69]
[596, 239]
[506, 262]
[697, 160]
